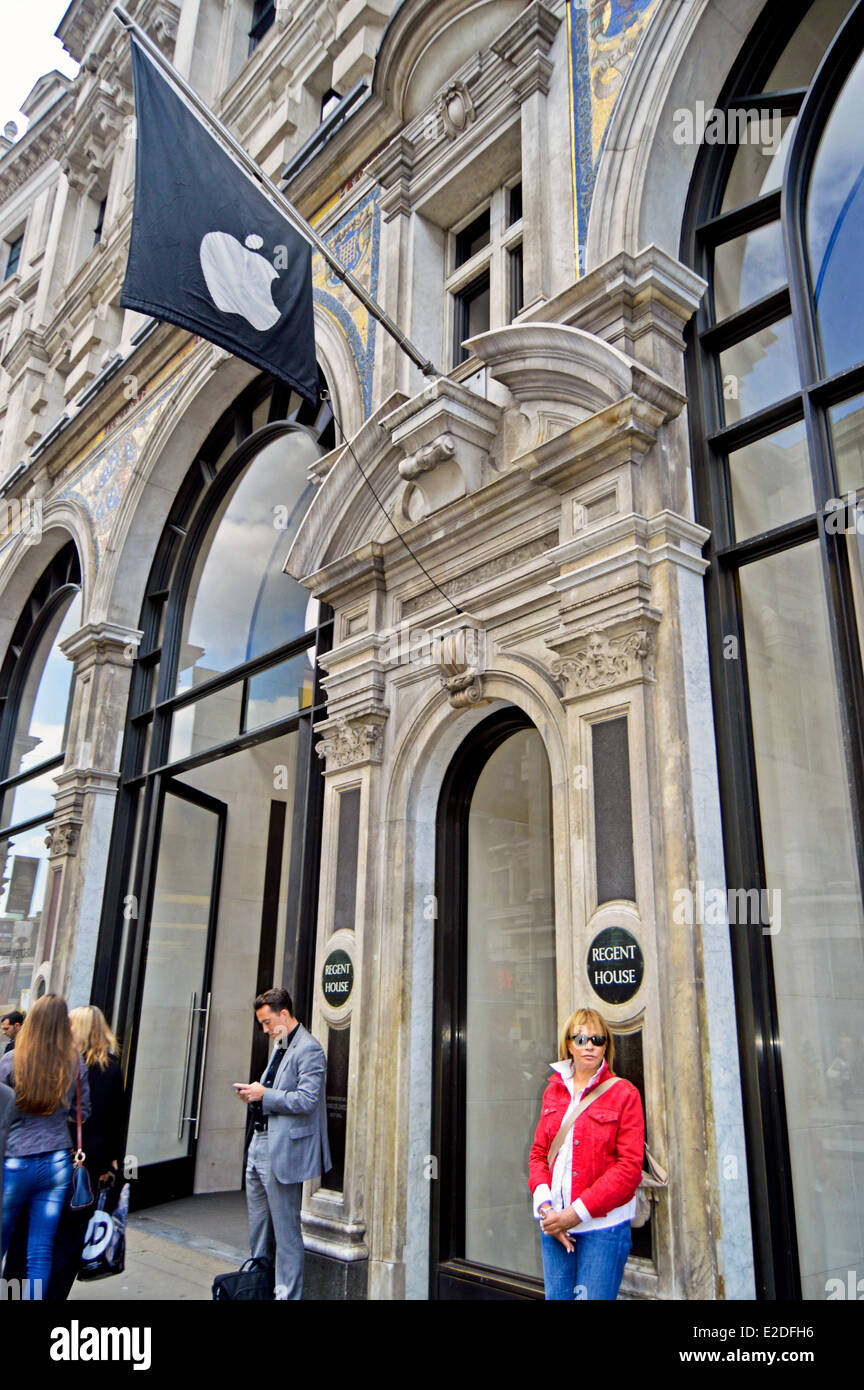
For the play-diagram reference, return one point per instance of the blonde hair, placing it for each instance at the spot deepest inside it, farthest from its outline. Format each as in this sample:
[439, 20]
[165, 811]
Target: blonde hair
[46, 1059]
[93, 1037]
[594, 1023]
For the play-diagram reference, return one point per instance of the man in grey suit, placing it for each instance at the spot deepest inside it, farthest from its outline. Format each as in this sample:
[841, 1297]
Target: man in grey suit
[289, 1143]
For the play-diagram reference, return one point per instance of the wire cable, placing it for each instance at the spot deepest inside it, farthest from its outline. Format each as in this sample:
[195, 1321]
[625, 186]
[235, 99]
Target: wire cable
[325, 395]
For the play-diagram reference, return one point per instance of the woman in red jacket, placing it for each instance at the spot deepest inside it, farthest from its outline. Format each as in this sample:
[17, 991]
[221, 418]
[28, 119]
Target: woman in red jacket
[586, 1196]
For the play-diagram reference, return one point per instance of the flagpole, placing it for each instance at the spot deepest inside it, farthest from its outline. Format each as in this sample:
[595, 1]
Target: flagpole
[275, 195]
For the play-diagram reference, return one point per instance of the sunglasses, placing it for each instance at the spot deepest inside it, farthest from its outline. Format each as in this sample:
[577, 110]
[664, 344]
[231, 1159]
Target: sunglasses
[580, 1039]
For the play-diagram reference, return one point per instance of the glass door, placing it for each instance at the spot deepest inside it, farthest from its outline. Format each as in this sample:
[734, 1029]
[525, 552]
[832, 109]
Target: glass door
[169, 1037]
[496, 1017]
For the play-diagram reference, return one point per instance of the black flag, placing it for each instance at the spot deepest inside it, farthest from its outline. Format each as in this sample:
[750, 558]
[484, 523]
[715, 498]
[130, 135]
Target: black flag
[209, 251]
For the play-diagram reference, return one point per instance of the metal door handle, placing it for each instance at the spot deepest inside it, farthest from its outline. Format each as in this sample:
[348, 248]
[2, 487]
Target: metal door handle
[206, 1013]
[183, 1118]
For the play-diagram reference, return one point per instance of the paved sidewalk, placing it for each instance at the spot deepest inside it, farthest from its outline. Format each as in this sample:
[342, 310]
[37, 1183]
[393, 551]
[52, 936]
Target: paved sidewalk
[175, 1251]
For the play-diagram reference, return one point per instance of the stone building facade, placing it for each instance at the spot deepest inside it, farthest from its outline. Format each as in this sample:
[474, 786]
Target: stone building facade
[455, 703]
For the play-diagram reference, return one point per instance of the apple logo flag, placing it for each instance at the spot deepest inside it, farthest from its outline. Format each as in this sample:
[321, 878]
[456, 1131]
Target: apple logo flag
[238, 280]
[209, 251]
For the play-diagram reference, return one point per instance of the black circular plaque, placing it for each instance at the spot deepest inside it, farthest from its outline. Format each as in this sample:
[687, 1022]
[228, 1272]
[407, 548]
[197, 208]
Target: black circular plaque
[615, 965]
[337, 977]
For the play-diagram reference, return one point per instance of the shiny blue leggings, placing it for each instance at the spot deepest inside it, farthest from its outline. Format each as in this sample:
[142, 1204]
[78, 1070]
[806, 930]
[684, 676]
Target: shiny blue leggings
[38, 1183]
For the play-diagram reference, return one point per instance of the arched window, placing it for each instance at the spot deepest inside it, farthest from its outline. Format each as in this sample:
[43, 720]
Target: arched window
[211, 896]
[776, 377]
[35, 687]
[496, 1019]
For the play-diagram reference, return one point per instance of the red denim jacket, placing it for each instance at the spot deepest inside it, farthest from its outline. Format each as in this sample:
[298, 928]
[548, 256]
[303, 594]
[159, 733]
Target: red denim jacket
[608, 1139]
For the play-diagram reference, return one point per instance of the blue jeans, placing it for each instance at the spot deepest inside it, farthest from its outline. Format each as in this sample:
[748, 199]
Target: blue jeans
[592, 1271]
[38, 1183]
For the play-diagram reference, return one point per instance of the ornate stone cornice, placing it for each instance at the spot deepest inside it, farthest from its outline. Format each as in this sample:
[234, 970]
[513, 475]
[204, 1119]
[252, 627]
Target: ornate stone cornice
[92, 134]
[544, 362]
[29, 154]
[603, 661]
[533, 31]
[348, 745]
[97, 643]
[27, 350]
[392, 169]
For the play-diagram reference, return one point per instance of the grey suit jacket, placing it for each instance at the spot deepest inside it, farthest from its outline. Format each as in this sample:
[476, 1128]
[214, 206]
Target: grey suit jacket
[296, 1111]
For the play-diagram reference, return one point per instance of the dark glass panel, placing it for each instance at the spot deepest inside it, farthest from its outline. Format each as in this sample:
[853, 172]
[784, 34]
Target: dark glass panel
[613, 817]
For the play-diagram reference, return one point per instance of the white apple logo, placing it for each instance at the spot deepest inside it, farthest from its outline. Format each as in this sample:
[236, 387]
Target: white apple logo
[239, 281]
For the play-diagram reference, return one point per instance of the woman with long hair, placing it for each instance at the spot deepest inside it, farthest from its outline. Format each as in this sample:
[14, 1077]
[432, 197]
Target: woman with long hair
[102, 1139]
[586, 1164]
[45, 1071]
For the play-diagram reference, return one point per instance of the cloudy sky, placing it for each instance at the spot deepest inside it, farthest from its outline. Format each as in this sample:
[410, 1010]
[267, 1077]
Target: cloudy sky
[29, 49]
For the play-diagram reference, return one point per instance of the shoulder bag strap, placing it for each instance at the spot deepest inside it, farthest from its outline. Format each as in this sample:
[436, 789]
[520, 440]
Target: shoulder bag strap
[574, 1110]
[79, 1157]
[655, 1175]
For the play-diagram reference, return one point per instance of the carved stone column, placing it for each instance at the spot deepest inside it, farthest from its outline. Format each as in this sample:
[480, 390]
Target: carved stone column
[80, 831]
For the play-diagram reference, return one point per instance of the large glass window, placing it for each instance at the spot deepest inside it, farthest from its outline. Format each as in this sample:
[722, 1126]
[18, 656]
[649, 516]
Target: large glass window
[211, 896]
[36, 682]
[780, 350]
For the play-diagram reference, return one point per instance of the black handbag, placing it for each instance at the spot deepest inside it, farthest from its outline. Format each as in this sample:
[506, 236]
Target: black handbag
[254, 1281]
[82, 1190]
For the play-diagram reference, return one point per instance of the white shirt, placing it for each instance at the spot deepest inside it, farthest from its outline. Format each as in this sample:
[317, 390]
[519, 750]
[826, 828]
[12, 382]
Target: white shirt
[562, 1173]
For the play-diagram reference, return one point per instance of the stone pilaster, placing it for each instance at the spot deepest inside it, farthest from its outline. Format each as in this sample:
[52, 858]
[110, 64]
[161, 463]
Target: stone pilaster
[526, 46]
[80, 830]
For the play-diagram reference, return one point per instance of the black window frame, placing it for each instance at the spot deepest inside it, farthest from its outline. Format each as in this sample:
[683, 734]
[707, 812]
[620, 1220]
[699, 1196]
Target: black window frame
[195, 505]
[462, 301]
[778, 1273]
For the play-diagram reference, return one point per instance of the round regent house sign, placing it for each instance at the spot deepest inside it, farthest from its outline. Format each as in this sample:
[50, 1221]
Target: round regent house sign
[337, 977]
[615, 965]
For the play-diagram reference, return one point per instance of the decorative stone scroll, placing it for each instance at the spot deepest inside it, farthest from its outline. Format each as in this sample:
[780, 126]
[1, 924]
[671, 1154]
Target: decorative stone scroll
[605, 661]
[440, 450]
[461, 657]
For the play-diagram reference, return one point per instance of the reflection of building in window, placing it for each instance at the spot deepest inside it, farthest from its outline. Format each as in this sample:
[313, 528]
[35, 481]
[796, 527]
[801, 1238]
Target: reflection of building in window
[485, 260]
[263, 18]
[14, 256]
